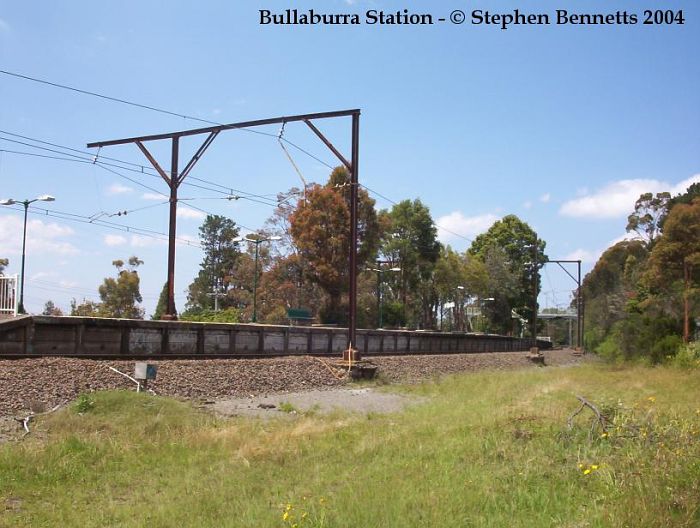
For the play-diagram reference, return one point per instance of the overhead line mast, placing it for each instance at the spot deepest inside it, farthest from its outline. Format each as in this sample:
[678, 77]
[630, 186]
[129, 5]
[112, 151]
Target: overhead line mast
[174, 178]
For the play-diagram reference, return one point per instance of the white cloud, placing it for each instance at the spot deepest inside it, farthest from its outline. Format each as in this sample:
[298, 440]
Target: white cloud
[584, 255]
[43, 275]
[42, 237]
[616, 199]
[154, 196]
[118, 188]
[141, 241]
[114, 240]
[187, 213]
[467, 226]
[545, 198]
[527, 205]
[4, 26]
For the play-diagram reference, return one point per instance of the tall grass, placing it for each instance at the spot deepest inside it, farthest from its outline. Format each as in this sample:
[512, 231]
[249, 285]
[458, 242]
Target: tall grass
[487, 449]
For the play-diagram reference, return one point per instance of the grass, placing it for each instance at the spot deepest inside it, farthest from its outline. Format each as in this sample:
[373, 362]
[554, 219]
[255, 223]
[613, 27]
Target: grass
[488, 449]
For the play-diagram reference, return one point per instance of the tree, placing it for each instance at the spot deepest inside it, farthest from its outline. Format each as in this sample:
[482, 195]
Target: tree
[162, 303]
[119, 295]
[320, 229]
[288, 279]
[51, 309]
[409, 241]
[458, 278]
[692, 192]
[649, 211]
[610, 290]
[673, 260]
[3, 264]
[85, 309]
[521, 247]
[217, 236]
[503, 286]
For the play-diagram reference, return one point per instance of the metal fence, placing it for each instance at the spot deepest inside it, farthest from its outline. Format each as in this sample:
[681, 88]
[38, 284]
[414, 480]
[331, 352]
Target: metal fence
[8, 295]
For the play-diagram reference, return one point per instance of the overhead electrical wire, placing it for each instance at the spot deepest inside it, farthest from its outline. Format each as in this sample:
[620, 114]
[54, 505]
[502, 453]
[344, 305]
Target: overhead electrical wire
[73, 217]
[279, 137]
[153, 109]
[434, 223]
[107, 166]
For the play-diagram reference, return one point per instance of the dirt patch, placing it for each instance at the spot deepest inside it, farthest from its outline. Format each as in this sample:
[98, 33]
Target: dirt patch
[362, 400]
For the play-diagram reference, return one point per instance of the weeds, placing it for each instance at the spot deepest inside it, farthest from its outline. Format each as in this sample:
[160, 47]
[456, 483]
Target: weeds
[287, 407]
[84, 404]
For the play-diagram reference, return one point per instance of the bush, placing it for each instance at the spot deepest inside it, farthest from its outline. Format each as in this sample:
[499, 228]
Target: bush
[641, 337]
[687, 357]
[84, 404]
[229, 315]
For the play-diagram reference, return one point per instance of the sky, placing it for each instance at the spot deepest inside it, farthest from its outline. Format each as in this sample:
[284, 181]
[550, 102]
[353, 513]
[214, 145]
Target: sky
[563, 125]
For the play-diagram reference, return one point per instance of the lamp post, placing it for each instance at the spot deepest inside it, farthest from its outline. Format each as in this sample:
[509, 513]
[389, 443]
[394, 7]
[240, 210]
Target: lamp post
[379, 272]
[535, 285]
[257, 242]
[25, 203]
[460, 314]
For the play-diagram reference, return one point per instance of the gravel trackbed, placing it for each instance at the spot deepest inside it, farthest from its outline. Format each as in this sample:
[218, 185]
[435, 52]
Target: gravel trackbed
[39, 384]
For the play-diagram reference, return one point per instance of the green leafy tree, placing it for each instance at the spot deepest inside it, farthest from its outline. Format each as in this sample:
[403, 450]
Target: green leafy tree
[648, 212]
[503, 286]
[410, 242]
[610, 290]
[3, 264]
[162, 305]
[120, 295]
[86, 308]
[692, 192]
[525, 256]
[217, 236]
[51, 309]
[672, 274]
[458, 278]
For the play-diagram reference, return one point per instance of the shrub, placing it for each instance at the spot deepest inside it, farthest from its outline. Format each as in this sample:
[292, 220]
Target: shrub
[687, 357]
[229, 315]
[84, 404]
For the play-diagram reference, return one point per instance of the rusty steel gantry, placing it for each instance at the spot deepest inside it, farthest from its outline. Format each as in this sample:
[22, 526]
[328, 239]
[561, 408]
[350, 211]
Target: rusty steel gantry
[579, 299]
[174, 178]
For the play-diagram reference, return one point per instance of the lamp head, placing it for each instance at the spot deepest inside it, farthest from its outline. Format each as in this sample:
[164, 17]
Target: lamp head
[7, 201]
[46, 198]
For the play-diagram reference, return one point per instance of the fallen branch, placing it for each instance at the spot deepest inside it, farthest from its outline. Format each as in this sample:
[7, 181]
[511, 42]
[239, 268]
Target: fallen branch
[599, 420]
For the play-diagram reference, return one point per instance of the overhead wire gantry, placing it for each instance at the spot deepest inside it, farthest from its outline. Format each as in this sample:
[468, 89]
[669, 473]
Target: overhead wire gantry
[174, 177]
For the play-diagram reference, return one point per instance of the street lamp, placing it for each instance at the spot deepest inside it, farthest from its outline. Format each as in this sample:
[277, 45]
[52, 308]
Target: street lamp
[379, 272]
[25, 203]
[257, 242]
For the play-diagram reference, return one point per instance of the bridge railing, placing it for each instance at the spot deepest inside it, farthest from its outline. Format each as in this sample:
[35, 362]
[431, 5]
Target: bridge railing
[8, 296]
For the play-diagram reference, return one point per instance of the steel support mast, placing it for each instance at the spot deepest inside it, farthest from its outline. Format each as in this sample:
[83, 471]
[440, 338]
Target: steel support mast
[174, 178]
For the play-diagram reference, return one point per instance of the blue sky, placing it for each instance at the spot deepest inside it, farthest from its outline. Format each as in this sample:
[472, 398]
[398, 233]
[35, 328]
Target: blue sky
[562, 125]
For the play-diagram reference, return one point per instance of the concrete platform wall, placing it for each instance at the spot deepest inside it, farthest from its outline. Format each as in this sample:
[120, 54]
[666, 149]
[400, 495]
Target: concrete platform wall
[122, 338]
